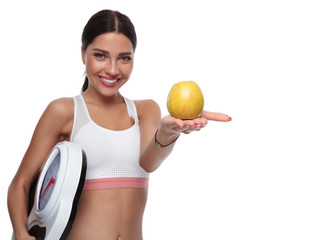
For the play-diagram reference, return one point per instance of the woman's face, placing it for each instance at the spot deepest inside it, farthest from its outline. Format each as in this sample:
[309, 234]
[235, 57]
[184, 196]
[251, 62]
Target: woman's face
[109, 62]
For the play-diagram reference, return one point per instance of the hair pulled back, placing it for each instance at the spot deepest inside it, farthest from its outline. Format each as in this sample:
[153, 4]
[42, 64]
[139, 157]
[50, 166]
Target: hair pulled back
[106, 21]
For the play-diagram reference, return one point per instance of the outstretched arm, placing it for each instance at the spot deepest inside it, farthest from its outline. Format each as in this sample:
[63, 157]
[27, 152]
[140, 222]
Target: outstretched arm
[165, 131]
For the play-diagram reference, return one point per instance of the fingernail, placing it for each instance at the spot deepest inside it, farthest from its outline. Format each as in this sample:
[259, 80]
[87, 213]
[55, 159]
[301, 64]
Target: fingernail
[230, 119]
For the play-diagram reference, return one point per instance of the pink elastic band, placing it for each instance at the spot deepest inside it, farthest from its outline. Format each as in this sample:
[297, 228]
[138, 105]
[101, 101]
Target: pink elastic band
[120, 182]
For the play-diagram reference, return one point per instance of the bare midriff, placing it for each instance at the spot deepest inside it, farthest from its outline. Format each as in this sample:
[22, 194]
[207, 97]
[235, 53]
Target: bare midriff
[110, 214]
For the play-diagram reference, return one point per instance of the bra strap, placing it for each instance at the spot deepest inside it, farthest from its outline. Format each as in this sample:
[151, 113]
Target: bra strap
[80, 116]
[131, 108]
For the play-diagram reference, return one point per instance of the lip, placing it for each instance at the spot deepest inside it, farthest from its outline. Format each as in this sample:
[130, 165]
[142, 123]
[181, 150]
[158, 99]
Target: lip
[107, 83]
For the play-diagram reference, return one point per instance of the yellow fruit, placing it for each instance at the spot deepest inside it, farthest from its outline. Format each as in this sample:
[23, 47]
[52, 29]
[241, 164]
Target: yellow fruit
[185, 100]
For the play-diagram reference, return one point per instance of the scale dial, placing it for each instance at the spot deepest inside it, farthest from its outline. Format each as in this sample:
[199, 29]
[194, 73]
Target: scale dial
[49, 180]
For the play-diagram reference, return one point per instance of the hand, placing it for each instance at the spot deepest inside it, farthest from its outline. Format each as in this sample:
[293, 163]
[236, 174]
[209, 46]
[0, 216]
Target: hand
[26, 238]
[174, 125]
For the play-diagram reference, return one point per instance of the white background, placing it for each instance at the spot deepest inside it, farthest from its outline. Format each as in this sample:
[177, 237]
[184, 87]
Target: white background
[258, 177]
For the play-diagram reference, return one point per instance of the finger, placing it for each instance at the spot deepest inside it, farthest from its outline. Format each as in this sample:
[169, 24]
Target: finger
[193, 125]
[172, 123]
[189, 123]
[197, 122]
[178, 123]
[188, 129]
[200, 122]
[221, 117]
[185, 128]
[192, 129]
[181, 126]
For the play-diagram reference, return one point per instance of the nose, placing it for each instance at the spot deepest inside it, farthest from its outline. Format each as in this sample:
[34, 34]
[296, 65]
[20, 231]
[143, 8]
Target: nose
[112, 68]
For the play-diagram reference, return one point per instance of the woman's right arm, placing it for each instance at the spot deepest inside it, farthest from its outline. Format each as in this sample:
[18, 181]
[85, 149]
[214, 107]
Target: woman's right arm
[54, 126]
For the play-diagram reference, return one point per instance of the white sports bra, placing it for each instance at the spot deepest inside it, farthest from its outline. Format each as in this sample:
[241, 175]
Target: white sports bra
[112, 156]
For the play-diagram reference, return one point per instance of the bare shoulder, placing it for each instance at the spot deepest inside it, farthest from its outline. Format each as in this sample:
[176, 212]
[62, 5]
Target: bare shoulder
[149, 116]
[61, 107]
[58, 117]
[147, 107]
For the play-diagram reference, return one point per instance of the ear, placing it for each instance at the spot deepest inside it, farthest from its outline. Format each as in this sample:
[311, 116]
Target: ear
[83, 55]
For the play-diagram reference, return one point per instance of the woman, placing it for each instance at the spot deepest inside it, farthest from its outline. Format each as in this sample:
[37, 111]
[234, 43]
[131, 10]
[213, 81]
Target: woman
[124, 140]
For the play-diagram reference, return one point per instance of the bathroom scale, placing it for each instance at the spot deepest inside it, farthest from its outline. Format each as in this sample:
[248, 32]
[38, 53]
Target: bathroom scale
[57, 192]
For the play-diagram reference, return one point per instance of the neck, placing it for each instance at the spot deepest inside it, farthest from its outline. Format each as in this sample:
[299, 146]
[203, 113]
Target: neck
[96, 98]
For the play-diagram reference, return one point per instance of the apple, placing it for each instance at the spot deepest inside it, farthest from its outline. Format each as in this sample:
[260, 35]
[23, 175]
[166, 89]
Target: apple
[185, 100]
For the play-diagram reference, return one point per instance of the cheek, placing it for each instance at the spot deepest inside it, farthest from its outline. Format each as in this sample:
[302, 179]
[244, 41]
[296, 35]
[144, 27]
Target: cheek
[94, 66]
[127, 69]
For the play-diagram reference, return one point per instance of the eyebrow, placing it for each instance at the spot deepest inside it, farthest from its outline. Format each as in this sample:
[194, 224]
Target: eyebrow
[106, 52]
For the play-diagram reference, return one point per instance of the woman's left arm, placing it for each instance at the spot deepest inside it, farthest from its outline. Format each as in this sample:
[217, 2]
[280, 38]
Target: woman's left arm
[156, 131]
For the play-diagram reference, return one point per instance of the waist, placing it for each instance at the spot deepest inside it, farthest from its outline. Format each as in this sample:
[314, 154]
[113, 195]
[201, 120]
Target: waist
[108, 213]
[116, 182]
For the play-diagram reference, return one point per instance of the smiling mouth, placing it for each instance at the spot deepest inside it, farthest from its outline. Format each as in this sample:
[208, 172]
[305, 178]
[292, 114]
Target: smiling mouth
[108, 82]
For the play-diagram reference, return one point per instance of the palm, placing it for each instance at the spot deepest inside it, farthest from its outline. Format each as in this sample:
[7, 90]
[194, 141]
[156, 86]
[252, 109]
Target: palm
[188, 126]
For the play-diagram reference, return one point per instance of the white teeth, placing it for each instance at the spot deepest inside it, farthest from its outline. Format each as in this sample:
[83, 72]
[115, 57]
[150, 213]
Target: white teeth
[109, 81]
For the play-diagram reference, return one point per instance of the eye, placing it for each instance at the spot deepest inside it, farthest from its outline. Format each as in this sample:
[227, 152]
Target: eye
[99, 56]
[126, 58]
